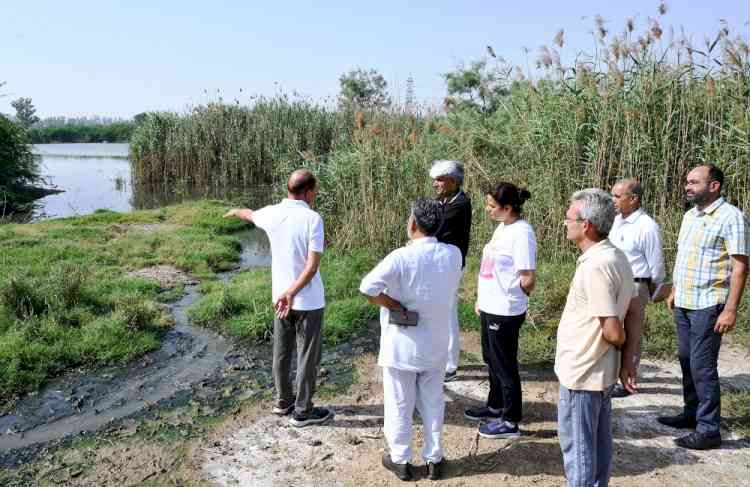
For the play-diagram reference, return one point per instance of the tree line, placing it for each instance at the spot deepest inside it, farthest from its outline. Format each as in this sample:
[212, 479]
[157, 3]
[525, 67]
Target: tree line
[112, 132]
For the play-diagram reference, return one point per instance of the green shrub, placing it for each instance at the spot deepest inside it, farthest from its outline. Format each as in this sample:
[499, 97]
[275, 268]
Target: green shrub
[242, 308]
[18, 168]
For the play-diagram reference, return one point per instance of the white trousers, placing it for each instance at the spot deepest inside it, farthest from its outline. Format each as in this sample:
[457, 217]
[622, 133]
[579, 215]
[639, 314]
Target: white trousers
[402, 391]
[454, 345]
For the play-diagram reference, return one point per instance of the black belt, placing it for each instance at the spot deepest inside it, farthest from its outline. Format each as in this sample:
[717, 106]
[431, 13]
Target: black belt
[642, 279]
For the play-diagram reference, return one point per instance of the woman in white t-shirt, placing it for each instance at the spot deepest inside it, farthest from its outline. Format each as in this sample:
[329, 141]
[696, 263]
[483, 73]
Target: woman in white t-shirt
[506, 278]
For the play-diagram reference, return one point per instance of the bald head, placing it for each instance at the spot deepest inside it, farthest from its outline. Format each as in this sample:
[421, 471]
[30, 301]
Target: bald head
[631, 186]
[300, 181]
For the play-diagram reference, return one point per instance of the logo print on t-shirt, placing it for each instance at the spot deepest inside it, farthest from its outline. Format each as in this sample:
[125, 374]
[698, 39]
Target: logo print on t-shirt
[488, 265]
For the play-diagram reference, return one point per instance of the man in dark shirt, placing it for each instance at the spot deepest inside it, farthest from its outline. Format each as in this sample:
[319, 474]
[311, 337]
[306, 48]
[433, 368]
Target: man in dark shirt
[448, 176]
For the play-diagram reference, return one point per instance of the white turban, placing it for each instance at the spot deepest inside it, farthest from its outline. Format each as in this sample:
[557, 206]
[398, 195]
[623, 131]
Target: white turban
[451, 169]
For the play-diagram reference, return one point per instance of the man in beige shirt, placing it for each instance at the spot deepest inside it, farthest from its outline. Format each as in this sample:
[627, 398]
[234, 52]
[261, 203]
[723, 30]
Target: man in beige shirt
[589, 338]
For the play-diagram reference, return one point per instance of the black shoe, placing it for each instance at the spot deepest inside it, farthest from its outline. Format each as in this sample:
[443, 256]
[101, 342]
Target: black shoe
[619, 392]
[699, 441]
[482, 412]
[680, 421]
[315, 416]
[450, 376]
[435, 470]
[402, 470]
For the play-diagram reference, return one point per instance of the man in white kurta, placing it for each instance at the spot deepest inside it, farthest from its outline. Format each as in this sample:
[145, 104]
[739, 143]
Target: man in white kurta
[422, 277]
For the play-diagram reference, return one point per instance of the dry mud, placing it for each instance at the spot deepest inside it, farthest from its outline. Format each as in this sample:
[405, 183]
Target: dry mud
[259, 449]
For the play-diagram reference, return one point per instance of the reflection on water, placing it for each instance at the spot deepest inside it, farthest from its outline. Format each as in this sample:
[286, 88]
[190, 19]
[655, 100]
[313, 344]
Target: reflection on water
[147, 196]
[119, 151]
[256, 249]
[88, 184]
[98, 176]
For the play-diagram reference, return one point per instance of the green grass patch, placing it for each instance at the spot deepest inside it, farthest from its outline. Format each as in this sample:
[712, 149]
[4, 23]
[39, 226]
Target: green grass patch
[735, 409]
[65, 296]
[242, 308]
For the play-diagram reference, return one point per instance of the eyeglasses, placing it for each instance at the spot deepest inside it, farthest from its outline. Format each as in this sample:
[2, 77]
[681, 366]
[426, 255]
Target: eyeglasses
[570, 220]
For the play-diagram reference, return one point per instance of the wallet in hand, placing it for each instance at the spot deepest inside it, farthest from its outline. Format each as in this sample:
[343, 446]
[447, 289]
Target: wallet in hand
[403, 318]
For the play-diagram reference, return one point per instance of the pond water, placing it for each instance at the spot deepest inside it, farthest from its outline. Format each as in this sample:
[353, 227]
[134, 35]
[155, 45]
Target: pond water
[91, 176]
[98, 176]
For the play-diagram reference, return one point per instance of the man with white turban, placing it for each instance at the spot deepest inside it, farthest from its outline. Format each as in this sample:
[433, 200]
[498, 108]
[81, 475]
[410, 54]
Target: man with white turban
[448, 176]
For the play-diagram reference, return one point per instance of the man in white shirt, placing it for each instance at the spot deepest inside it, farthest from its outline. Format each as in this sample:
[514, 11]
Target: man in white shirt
[296, 236]
[639, 237]
[421, 277]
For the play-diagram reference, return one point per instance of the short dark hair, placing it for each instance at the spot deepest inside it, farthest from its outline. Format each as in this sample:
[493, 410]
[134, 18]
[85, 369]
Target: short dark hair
[428, 214]
[505, 193]
[715, 174]
[305, 182]
[637, 189]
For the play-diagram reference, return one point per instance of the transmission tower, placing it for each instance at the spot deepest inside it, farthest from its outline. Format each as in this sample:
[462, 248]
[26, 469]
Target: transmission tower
[410, 93]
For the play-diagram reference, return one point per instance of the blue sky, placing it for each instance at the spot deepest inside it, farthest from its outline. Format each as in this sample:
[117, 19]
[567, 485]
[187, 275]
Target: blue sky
[110, 58]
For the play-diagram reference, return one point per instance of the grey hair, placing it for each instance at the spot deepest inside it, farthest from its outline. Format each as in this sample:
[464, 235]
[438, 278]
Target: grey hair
[428, 214]
[448, 169]
[598, 208]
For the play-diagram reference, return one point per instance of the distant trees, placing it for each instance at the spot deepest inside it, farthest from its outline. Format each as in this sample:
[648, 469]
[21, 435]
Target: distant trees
[25, 112]
[363, 89]
[74, 132]
[477, 87]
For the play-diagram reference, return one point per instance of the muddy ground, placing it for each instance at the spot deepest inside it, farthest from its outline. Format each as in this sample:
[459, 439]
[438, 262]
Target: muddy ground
[258, 449]
[220, 433]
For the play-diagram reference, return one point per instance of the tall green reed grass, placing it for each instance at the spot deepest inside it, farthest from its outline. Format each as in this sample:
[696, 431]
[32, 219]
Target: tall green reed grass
[223, 144]
[646, 104]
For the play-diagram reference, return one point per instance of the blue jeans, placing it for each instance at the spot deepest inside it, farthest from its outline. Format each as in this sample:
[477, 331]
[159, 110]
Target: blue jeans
[584, 424]
[698, 348]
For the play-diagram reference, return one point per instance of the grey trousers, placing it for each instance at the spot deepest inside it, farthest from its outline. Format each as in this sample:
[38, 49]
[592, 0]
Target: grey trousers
[300, 330]
[584, 426]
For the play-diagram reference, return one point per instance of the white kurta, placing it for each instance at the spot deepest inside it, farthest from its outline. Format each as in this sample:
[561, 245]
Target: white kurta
[423, 277]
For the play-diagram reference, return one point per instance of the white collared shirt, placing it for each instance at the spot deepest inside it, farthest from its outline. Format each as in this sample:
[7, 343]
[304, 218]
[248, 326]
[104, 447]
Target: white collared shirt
[293, 230]
[639, 237]
[423, 277]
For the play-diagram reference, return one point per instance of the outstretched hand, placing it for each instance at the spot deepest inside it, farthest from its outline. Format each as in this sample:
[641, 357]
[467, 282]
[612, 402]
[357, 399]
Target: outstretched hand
[245, 214]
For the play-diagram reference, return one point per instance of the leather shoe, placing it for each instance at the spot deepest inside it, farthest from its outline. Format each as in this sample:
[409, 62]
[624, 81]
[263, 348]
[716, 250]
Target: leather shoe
[402, 470]
[699, 441]
[680, 421]
[435, 470]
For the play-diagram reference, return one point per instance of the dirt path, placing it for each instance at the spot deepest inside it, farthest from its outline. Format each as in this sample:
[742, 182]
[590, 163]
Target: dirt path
[259, 449]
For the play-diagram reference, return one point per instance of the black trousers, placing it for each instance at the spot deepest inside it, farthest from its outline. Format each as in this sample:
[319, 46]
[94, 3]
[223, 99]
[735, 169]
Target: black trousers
[500, 353]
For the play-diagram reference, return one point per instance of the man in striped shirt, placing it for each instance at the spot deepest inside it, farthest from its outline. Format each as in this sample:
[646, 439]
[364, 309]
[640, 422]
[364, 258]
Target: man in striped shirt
[709, 276]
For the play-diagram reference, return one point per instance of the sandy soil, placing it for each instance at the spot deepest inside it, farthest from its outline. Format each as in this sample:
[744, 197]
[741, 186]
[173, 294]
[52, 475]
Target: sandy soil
[166, 276]
[259, 449]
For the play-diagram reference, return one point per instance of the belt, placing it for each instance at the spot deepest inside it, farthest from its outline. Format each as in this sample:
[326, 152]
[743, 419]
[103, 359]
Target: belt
[642, 279]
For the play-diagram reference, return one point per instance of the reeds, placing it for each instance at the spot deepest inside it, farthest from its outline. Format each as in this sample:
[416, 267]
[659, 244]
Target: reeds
[221, 144]
[646, 104]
